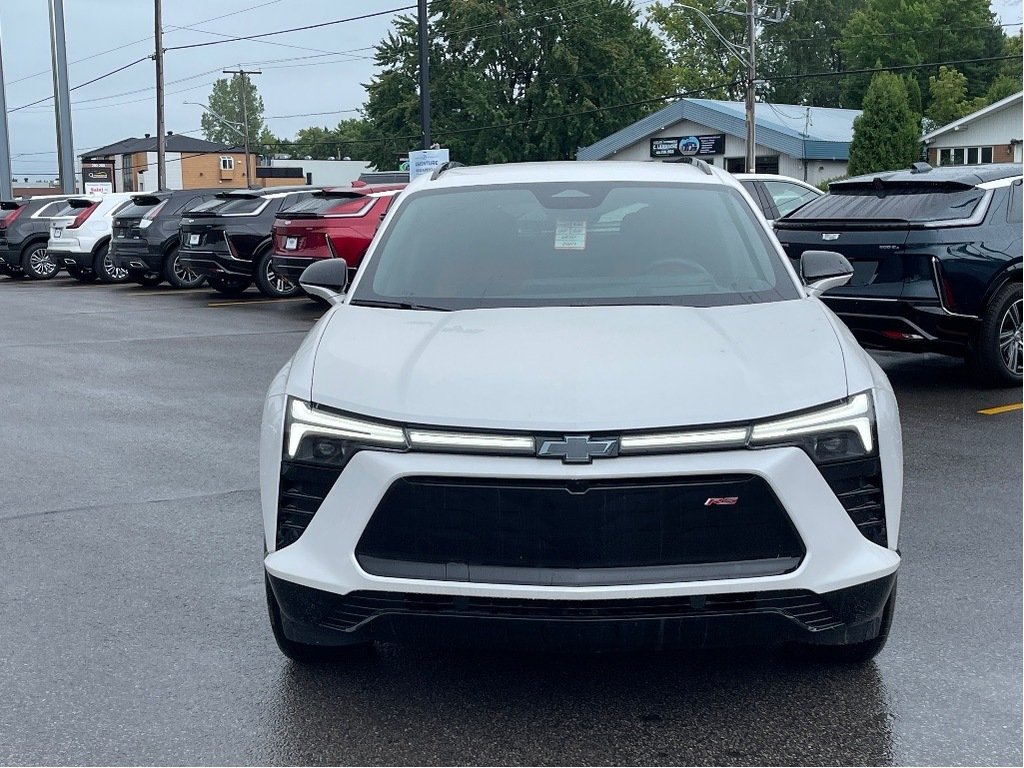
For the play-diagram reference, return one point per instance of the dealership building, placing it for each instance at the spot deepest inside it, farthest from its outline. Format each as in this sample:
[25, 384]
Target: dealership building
[807, 143]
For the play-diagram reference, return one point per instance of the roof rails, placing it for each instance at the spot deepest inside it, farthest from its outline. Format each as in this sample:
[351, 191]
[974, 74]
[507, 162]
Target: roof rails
[694, 161]
[446, 167]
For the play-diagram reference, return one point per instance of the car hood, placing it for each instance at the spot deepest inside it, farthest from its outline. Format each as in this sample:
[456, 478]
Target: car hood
[579, 368]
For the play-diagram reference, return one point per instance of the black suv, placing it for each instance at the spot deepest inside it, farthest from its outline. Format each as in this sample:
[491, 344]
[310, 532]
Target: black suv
[936, 254]
[228, 240]
[24, 230]
[145, 236]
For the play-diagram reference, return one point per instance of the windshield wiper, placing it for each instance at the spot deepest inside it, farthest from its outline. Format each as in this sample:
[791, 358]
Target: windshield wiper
[397, 305]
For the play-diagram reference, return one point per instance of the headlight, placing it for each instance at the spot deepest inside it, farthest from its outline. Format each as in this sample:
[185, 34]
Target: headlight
[836, 433]
[321, 437]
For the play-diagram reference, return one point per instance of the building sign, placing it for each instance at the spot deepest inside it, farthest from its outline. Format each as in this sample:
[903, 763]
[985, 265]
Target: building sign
[425, 160]
[688, 146]
[98, 181]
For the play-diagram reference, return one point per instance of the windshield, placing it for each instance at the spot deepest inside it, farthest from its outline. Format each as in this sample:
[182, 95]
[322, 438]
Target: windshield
[557, 244]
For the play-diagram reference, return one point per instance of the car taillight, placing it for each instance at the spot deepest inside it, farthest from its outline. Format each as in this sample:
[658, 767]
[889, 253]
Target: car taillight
[82, 216]
[5, 222]
[148, 218]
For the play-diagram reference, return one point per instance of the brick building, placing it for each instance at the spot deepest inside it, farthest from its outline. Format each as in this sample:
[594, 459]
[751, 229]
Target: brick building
[130, 165]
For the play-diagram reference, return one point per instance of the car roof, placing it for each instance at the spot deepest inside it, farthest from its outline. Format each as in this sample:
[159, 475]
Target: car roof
[573, 170]
[773, 177]
[363, 188]
[268, 191]
[957, 174]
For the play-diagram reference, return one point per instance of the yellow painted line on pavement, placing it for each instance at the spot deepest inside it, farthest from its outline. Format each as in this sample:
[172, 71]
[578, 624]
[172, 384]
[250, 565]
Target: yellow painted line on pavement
[1002, 409]
[256, 301]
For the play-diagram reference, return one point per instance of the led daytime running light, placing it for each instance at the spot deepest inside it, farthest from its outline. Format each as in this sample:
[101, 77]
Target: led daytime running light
[671, 441]
[304, 421]
[854, 415]
[468, 441]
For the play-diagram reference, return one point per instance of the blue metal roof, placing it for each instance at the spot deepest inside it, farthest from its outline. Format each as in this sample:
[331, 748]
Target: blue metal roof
[807, 133]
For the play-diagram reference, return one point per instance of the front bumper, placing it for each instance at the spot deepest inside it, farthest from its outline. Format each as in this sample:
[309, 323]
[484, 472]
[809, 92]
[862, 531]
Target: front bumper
[765, 618]
[904, 325]
[215, 264]
[319, 577]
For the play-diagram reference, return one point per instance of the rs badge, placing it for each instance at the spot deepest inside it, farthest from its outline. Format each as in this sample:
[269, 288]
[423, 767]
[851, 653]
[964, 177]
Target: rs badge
[722, 501]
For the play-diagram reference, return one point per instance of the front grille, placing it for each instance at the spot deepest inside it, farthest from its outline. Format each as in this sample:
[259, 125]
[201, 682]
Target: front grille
[576, 532]
[349, 611]
[858, 486]
[303, 488]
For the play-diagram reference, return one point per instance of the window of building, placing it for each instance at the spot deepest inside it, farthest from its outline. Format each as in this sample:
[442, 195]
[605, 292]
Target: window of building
[227, 163]
[965, 155]
[762, 164]
[127, 175]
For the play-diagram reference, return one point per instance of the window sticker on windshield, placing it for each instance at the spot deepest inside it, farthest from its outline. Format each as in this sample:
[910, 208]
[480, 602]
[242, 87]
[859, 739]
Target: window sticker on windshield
[571, 236]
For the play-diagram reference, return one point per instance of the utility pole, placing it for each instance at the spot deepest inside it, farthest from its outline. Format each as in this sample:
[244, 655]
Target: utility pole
[6, 188]
[424, 74]
[62, 98]
[751, 82]
[161, 134]
[243, 87]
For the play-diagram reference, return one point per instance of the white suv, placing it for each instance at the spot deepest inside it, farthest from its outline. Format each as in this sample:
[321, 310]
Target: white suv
[80, 237]
[585, 402]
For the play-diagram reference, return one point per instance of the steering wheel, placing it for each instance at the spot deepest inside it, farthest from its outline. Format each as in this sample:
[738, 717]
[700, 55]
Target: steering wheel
[677, 265]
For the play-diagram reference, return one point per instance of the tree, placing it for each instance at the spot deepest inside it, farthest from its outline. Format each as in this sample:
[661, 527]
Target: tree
[886, 135]
[949, 102]
[226, 101]
[517, 80]
[910, 32]
[700, 61]
[806, 42]
[350, 138]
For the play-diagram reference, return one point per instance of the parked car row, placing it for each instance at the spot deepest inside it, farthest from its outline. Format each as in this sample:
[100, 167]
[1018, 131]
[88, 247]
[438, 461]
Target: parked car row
[936, 252]
[228, 239]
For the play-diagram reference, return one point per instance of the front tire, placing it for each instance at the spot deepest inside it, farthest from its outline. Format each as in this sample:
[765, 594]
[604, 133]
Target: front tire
[232, 287]
[272, 284]
[996, 355]
[304, 653]
[37, 264]
[178, 275]
[104, 268]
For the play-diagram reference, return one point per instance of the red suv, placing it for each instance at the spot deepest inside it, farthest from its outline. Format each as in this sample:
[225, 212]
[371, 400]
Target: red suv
[338, 222]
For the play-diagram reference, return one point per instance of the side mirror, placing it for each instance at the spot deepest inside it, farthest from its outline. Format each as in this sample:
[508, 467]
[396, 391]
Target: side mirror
[327, 279]
[822, 270]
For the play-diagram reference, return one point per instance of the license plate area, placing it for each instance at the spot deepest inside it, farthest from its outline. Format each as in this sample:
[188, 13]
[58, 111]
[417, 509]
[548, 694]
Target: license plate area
[193, 239]
[291, 243]
[58, 232]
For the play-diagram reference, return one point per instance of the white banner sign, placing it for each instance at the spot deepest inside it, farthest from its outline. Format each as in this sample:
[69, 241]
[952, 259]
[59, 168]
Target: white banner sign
[425, 160]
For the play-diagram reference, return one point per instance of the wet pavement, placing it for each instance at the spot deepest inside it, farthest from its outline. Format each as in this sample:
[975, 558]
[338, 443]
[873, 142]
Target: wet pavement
[132, 618]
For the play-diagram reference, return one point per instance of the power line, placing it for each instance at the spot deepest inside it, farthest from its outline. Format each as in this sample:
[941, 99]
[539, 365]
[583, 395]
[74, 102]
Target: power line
[293, 29]
[82, 85]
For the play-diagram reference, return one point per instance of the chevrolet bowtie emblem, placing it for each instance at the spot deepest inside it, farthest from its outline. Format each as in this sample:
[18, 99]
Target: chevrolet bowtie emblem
[577, 449]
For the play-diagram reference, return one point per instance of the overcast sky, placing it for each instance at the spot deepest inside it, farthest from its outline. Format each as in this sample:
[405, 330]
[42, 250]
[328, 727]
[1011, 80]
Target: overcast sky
[122, 105]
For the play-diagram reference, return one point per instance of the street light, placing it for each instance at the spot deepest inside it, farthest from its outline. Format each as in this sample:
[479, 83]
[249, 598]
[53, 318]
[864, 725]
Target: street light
[236, 127]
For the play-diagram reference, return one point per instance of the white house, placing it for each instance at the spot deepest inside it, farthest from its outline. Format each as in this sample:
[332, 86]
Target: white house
[990, 135]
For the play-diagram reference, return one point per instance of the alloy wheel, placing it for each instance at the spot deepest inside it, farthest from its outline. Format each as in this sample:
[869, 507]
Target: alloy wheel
[279, 283]
[113, 272]
[1011, 337]
[184, 274]
[41, 264]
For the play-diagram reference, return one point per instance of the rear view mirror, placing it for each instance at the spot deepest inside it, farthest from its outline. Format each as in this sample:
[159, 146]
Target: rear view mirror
[822, 270]
[327, 279]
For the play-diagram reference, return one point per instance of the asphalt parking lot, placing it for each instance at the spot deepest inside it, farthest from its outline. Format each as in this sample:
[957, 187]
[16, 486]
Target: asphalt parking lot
[132, 618]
